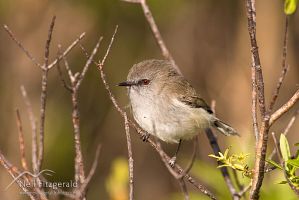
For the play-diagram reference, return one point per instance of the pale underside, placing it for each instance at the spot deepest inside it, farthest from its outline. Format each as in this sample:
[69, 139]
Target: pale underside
[170, 120]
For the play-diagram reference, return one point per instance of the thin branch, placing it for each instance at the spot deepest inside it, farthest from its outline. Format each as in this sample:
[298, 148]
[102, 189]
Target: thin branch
[14, 173]
[150, 19]
[33, 129]
[21, 140]
[190, 165]
[184, 189]
[130, 158]
[48, 42]
[285, 132]
[244, 190]
[291, 122]
[65, 85]
[43, 97]
[216, 149]
[20, 45]
[285, 108]
[67, 50]
[283, 164]
[67, 67]
[261, 145]
[224, 171]
[90, 174]
[141, 132]
[89, 61]
[254, 105]
[79, 165]
[284, 66]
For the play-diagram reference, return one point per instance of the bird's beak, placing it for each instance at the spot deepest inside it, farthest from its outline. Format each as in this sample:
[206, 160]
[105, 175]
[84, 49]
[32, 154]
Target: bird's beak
[126, 83]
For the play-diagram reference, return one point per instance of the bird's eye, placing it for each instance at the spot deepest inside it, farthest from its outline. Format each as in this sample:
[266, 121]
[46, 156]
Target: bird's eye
[145, 81]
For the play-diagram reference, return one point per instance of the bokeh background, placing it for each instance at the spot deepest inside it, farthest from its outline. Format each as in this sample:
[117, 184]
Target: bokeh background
[209, 41]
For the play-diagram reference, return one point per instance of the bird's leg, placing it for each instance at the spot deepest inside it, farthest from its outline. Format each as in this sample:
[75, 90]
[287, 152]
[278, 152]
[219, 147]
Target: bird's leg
[173, 159]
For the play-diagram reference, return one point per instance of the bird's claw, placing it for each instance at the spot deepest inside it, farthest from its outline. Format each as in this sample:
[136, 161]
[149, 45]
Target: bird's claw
[145, 136]
[172, 161]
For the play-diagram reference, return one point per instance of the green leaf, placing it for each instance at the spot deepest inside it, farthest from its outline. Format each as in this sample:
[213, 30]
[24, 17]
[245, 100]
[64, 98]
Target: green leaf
[293, 162]
[290, 6]
[284, 147]
[274, 164]
[282, 182]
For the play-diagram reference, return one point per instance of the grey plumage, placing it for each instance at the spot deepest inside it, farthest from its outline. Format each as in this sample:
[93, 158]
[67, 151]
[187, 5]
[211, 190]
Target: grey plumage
[166, 105]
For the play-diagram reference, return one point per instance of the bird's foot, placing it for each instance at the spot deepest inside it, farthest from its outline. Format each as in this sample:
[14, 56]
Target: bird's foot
[145, 136]
[172, 161]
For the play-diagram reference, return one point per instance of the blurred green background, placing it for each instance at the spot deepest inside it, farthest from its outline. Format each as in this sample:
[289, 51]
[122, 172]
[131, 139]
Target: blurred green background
[209, 41]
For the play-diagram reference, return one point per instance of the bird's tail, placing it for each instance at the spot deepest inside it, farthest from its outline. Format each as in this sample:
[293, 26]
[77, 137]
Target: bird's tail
[224, 128]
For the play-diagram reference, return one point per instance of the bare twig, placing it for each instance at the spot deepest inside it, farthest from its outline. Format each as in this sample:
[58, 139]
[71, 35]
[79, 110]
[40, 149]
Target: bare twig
[130, 158]
[284, 66]
[33, 129]
[27, 53]
[224, 171]
[286, 131]
[184, 189]
[286, 107]
[67, 50]
[140, 131]
[14, 173]
[261, 145]
[89, 61]
[76, 81]
[291, 122]
[43, 97]
[254, 105]
[244, 190]
[21, 140]
[216, 149]
[150, 19]
[65, 85]
[90, 174]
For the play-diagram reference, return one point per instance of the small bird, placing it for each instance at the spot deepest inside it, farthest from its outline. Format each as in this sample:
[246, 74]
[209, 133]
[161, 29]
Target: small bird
[166, 105]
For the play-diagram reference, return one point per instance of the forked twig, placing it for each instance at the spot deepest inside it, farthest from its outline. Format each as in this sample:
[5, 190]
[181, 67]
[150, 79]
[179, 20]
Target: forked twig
[257, 81]
[43, 97]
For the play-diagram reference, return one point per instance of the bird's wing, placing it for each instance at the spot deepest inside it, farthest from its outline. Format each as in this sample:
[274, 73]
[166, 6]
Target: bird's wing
[186, 94]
